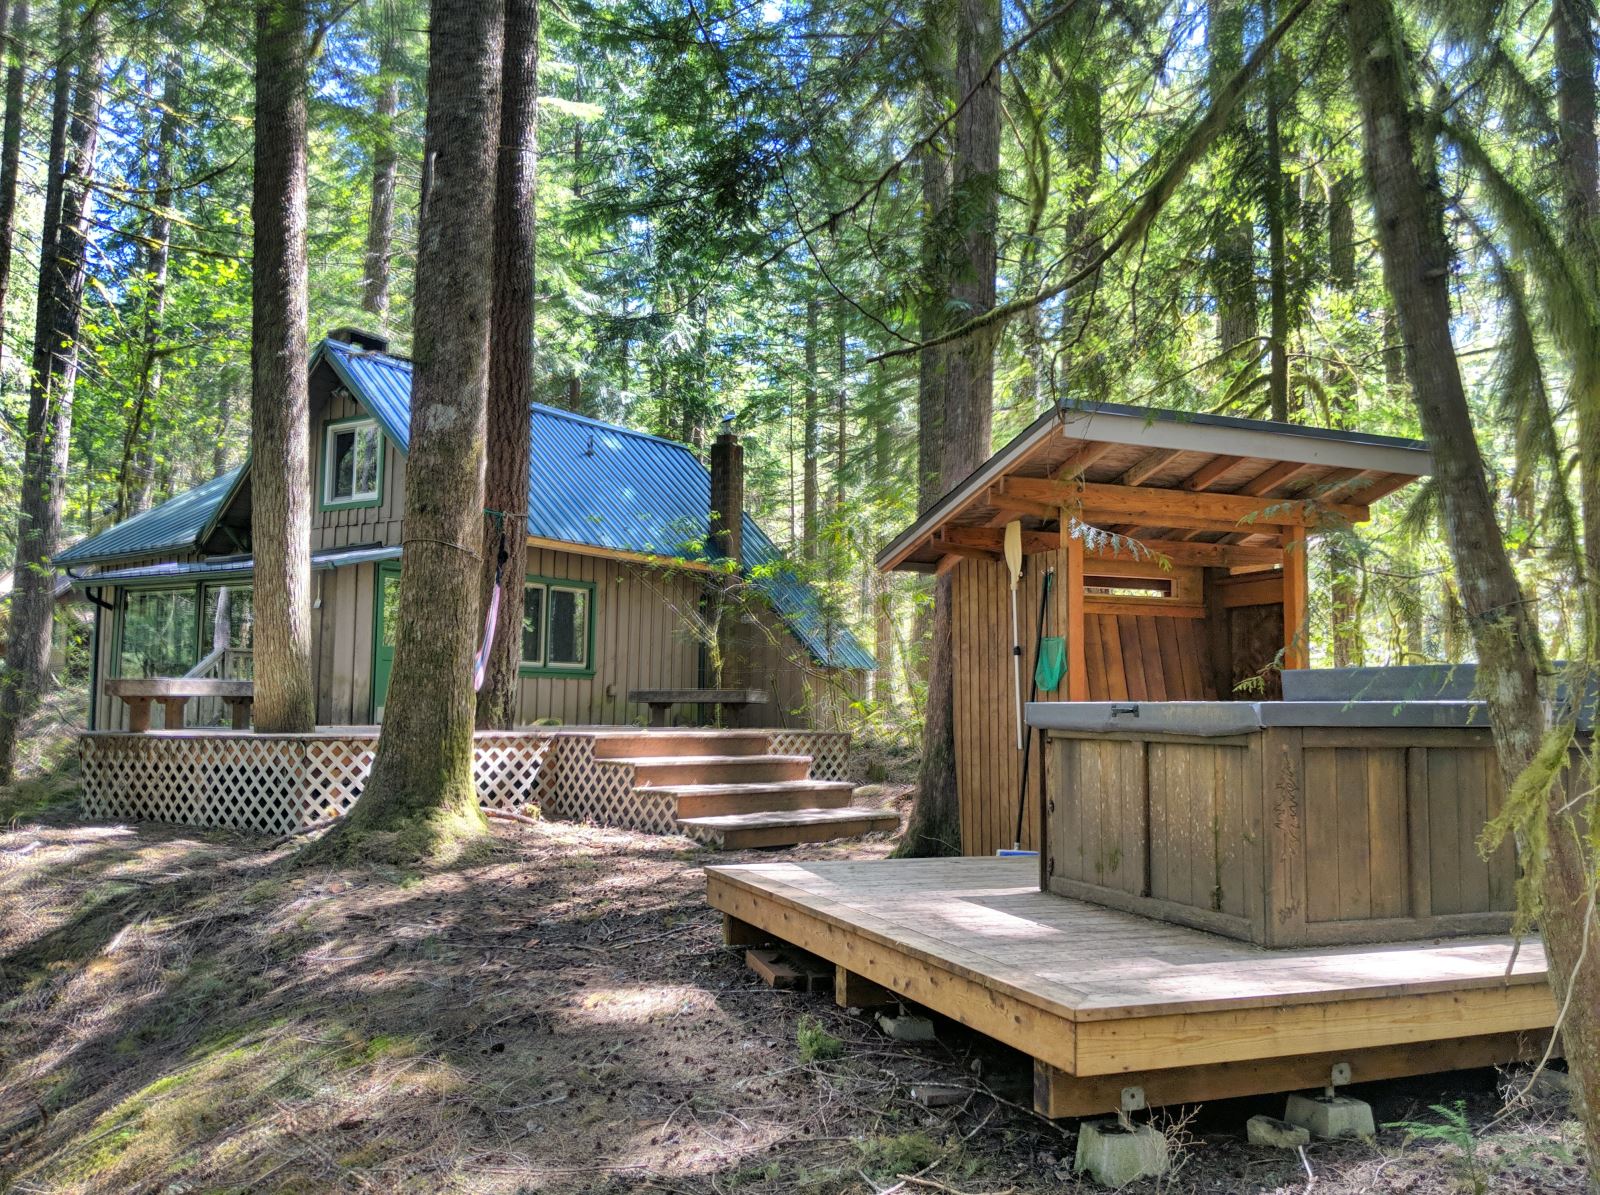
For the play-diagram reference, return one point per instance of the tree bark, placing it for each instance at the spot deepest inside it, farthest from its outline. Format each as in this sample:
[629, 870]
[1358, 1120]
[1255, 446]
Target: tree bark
[511, 355]
[935, 825]
[1233, 250]
[74, 131]
[1416, 260]
[1277, 243]
[811, 431]
[934, 166]
[15, 34]
[280, 433]
[138, 441]
[385, 163]
[1579, 154]
[420, 796]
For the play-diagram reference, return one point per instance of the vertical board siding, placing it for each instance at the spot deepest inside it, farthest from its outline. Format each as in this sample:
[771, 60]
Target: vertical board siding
[361, 525]
[1127, 657]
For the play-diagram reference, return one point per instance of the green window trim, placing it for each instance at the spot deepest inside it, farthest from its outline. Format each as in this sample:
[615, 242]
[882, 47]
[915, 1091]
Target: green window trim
[325, 462]
[542, 667]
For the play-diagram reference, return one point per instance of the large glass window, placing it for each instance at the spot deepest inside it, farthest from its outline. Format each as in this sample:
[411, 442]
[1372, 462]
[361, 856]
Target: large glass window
[227, 620]
[158, 632]
[352, 463]
[556, 625]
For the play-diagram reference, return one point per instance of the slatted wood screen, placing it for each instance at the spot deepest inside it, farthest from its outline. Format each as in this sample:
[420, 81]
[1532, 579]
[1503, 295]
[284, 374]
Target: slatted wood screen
[1129, 655]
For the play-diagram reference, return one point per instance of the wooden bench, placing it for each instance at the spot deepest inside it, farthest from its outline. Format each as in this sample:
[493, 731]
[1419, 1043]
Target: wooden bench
[175, 692]
[661, 701]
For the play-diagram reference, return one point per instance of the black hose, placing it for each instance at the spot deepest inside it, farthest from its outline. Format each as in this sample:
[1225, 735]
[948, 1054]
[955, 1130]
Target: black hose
[1033, 693]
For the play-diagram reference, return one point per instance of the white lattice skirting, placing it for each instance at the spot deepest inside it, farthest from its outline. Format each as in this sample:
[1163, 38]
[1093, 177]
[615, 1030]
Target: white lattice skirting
[277, 784]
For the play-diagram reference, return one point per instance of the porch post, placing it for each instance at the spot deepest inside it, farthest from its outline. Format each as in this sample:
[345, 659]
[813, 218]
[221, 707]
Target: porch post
[1296, 586]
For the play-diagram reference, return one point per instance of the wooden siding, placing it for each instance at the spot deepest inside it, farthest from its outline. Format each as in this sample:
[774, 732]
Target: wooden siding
[341, 643]
[1286, 837]
[360, 525]
[1135, 648]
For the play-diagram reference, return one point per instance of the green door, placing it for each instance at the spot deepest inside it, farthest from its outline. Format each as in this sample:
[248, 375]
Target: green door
[383, 624]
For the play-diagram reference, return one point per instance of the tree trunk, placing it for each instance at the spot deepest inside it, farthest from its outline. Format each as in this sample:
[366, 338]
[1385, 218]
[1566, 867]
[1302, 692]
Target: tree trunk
[385, 162]
[511, 355]
[138, 441]
[15, 37]
[1233, 251]
[1416, 263]
[811, 433]
[74, 130]
[1579, 154]
[935, 826]
[280, 433]
[933, 163]
[1346, 565]
[841, 403]
[1277, 244]
[420, 795]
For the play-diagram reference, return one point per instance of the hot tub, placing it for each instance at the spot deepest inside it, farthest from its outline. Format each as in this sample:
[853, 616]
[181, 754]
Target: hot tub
[1286, 823]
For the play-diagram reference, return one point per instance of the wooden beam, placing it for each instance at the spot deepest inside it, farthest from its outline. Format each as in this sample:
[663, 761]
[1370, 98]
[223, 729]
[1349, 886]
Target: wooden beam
[1265, 589]
[1161, 507]
[1207, 473]
[1296, 588]
[961, 549]
[993, 539]
[1149, 465]
[1057, 1094]
[947, 562]
[1082, 457]
[1371, 488]
[1003, 497]
[1073, 626]
[1181, 552]
[1279, 474]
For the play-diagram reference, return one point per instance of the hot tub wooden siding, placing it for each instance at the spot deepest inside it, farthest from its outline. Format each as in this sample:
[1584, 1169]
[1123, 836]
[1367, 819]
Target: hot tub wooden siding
[1290, 836]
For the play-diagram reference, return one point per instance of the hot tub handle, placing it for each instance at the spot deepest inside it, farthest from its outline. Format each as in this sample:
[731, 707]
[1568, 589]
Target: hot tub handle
[1124, 709]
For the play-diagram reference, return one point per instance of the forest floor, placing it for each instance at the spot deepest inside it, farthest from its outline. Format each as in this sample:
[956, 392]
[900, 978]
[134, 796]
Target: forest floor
[183, 1011]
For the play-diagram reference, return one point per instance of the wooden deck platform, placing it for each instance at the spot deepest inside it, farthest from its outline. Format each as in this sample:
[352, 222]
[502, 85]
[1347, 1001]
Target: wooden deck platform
[1103, 1000]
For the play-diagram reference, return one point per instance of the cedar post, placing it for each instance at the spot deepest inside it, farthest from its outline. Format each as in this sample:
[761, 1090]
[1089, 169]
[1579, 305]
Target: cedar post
[1296, 585]
[1072, 627]
[727, 543]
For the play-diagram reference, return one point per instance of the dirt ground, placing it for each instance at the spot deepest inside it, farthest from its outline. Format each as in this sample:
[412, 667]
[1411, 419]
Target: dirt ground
[186, 1011]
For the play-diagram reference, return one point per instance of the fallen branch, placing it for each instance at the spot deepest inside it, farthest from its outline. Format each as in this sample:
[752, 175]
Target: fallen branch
[507, 816]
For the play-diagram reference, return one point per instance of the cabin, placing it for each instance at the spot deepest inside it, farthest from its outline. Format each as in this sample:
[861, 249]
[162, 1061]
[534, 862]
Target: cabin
[613, 638]
[1241, 875]
[616, 529]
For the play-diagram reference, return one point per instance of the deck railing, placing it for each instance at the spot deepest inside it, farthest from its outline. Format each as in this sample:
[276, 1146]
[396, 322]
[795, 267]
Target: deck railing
[222, 663]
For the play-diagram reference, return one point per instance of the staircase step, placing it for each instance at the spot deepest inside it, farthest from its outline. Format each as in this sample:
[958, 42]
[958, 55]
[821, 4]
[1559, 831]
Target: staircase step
[743, 831]
[655, 743]
[713, 800]
[654, 771]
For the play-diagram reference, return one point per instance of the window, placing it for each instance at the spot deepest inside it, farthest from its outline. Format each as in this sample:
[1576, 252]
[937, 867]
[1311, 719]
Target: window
[556, 626]
[227, 620]
[352, 463]
[158, 633]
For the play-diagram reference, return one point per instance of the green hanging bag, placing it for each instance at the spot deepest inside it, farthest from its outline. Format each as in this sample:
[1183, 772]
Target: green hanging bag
[1052, 665]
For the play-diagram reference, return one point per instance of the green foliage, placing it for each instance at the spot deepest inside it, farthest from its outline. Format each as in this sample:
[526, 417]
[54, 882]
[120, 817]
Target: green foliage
[1454, 1129]
[815, 1042]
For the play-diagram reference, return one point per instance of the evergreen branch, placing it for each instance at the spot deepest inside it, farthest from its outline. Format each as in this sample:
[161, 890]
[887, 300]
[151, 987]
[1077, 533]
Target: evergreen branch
[1198, 140]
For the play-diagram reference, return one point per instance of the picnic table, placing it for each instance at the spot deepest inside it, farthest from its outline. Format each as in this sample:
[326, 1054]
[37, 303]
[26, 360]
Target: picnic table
[175, 692]
[661, 701]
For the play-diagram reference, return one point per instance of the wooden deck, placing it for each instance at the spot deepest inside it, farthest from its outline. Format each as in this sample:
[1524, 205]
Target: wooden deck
[1103, 999]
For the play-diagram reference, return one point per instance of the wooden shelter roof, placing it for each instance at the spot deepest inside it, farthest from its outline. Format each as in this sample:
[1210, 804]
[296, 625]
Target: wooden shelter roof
[1202, 489]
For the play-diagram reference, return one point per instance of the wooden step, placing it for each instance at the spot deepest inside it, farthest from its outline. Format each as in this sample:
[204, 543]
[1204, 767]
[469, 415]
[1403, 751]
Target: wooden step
[744, 831]
[655, 743]
[713, 800]
[656, 771]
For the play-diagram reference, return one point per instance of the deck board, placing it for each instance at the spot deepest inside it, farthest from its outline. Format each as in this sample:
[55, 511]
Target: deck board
[1093, 962]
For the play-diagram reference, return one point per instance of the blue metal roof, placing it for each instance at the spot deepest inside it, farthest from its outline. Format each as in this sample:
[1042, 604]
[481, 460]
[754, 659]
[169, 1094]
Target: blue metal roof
[589, 483]
[172, 526]
[231, 566]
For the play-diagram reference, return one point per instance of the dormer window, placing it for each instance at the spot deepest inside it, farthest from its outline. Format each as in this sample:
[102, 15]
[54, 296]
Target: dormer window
[352, 463]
